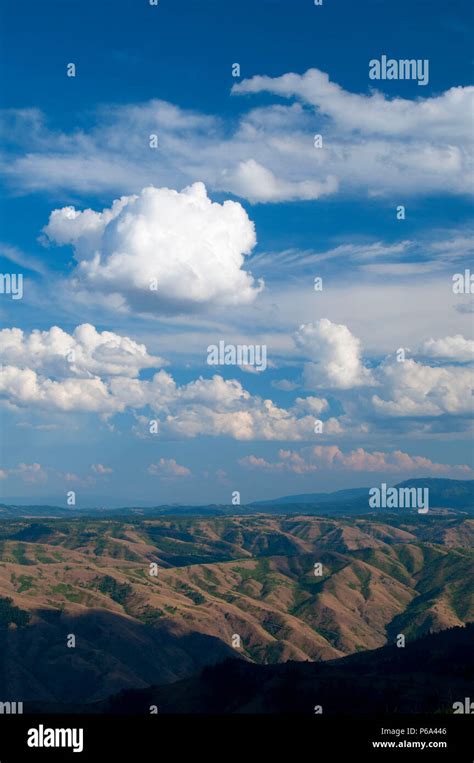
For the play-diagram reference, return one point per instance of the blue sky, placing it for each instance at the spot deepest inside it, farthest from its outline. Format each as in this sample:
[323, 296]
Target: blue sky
[236, 255]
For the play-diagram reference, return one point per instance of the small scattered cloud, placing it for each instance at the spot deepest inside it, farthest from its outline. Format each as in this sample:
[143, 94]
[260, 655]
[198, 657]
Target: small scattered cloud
[168, 468]
[257, 183]
[331, 457]
[284, 385]
[101, 469]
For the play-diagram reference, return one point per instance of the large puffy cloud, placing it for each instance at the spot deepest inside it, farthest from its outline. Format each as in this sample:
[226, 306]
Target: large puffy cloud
[322, 457]
[335, 354]
[84, 353]
[162, 249]
[372, 144]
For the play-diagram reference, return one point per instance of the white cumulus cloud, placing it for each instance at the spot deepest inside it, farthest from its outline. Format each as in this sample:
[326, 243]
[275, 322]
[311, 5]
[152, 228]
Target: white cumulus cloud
[257, 183]
[410, 388]
[162, 250]
[84, 353]
[335, 356]
[450, 347]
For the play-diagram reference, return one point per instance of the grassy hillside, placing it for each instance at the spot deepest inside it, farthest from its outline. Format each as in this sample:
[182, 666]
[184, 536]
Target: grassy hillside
[253, 577]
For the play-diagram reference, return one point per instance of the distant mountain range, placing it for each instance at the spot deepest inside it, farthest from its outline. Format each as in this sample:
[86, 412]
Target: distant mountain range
[318, 498]
[457, 495]
[443, 493]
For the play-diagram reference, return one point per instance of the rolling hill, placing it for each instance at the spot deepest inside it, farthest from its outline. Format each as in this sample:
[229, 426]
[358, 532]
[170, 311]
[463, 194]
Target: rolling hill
[217, 578]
